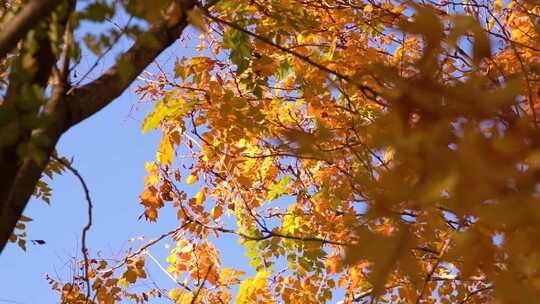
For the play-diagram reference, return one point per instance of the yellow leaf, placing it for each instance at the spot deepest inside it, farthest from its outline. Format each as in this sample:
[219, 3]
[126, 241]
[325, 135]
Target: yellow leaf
[342, 281]
[151, 167]
[490, 24]
[191, 179]
[497, 6]
[187, 298]
[166, 152]
[398, 9]
[123, 282]
[174, 293]
[332, 50]
[368, 8]
[389, 155]
[200, 197]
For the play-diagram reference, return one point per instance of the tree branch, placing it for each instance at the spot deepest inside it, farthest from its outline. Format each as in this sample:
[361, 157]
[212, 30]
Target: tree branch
[86, 228]
[83, 102]
[475, 292]
[194, 299]
[66, 110]
[144, 248]
[16, 29]
[104, 53]
[271, 234]
[429, 275]
[366, 90]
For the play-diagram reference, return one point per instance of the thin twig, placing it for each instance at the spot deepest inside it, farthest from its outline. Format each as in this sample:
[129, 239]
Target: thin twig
[143, 248]
[202, 285]
[369, 292]
[68, 43]
[473, 293]
[102, 55]
[368, 91]
[431, 272]
[272, 234]
[147, 252]
[86, 228]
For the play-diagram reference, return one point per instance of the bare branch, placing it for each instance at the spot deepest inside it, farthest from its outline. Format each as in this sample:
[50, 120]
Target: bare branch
[86, 228]
[475, 292]
[272, 234]
[193, 301]
[147, 252]
[431, 272]
[104, 53]
[144, 248]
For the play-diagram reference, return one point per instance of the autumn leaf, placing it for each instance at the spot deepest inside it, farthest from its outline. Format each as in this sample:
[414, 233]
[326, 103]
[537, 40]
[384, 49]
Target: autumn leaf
[279, 188]
[130, 276]
[191, 179]
[368, 152]
[165, 155]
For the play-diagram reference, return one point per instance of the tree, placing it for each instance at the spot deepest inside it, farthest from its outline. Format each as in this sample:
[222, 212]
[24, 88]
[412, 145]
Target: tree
[385, 149]
[37, 47]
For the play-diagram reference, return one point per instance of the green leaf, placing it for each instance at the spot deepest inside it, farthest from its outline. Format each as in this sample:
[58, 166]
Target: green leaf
[25, 219]
[240, 45]
[22, 244]
[278, 189]
[97, 12]
[92, 44]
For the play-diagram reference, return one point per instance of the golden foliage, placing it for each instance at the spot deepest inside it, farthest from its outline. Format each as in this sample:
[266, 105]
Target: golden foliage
[385, 149]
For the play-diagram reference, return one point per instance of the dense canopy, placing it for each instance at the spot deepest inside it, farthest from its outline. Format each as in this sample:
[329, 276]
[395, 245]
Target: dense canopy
[362, 151]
